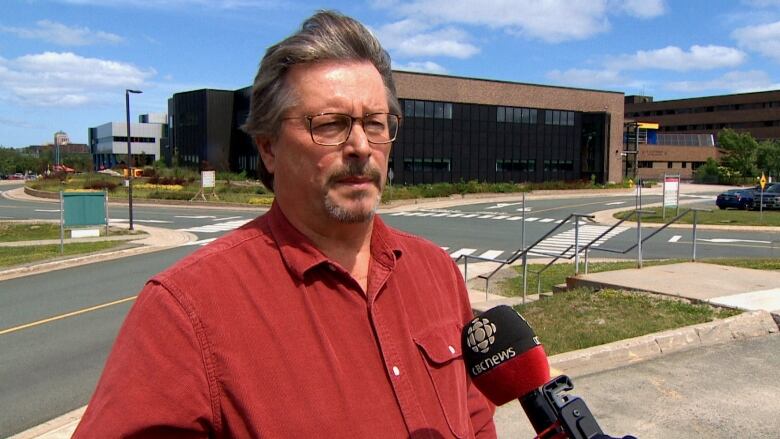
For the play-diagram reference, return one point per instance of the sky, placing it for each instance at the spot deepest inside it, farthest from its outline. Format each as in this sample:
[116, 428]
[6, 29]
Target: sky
[65, 64]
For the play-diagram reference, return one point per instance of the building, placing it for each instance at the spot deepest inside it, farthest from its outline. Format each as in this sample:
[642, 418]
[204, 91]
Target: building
[454, 129]
[756, 113]
[687, 132]
[108, 143]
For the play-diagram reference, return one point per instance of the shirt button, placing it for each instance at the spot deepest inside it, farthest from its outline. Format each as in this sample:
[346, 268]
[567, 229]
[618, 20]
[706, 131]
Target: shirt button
[452, 349]
[396, 371]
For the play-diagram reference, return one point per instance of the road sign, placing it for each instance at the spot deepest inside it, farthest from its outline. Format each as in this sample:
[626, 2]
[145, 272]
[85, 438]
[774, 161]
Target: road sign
[762, 181]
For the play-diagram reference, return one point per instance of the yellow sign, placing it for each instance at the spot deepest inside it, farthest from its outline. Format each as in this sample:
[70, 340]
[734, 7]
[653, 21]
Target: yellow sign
[762, 181]
[648, 125]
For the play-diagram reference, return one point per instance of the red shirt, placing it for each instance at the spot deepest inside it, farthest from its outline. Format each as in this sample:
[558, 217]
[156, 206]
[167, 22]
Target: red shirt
[260, 335]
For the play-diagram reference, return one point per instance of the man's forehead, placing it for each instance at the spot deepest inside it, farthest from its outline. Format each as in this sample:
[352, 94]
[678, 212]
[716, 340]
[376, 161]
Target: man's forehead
[336, 83]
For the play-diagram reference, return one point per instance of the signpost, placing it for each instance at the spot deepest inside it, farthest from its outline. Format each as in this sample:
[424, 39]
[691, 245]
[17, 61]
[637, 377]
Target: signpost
[671, 193]
[762, 181]
[208, 179]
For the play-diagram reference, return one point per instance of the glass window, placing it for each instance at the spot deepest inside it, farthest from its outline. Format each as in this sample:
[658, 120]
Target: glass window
[438, 110]
[500, 113]
[532, 115]
[409, 108]
[548, 121]
[419, 109]
[429, 109]
[447, 110]
[518, 115]
[509, 113]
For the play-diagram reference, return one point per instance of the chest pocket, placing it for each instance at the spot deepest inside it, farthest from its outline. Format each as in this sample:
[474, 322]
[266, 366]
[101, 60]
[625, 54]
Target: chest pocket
[440, 347]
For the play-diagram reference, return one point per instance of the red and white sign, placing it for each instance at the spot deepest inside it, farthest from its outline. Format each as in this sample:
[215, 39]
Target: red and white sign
[671, 190]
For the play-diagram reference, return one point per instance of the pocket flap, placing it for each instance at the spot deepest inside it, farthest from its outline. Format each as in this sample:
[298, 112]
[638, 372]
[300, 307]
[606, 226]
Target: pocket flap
[440, 343]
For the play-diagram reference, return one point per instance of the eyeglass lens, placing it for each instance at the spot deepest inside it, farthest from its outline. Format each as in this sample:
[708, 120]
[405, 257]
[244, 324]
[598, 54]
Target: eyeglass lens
[334, 128]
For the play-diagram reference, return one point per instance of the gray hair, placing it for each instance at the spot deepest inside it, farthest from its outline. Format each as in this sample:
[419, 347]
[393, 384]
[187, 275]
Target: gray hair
[325, 36]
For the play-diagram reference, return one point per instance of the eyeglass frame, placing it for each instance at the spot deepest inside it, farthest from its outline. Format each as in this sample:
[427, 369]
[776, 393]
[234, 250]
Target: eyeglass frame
[351, 124]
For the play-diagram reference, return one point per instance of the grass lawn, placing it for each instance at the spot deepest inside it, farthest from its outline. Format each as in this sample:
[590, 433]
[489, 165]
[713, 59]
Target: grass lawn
[582, 318]
[716, 216]
[10, 256]
[11, 232]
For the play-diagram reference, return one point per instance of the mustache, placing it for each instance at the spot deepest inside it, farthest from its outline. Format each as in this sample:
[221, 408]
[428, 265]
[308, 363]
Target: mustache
[357, 170]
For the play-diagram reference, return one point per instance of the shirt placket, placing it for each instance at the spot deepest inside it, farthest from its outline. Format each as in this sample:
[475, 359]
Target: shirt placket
[391, 340]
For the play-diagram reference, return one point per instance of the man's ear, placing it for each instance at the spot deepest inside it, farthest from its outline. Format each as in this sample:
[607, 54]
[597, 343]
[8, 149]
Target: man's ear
[265, 148]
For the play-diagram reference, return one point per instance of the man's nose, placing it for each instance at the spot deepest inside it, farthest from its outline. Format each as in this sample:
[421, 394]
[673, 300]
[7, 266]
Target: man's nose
[357, 143]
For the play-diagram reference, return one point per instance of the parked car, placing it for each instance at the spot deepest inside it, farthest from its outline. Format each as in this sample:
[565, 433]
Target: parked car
[735, 198]
[770, 198]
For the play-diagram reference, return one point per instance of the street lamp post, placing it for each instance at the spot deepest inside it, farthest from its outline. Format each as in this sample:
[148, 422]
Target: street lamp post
[129, 156]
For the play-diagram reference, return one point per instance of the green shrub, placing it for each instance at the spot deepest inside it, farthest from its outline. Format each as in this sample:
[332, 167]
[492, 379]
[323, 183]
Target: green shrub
[172, 195]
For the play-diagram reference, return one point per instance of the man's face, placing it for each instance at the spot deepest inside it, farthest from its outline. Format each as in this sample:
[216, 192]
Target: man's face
[316, 183]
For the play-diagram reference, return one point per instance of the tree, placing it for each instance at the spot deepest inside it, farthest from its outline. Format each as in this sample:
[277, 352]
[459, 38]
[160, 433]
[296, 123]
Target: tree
[740, 151]
[768, 157]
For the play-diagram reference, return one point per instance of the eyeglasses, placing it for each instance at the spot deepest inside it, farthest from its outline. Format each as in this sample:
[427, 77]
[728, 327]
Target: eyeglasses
[331, 129]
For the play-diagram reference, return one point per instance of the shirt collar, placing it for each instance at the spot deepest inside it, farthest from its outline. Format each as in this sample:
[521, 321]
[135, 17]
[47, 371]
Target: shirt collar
[301, 255]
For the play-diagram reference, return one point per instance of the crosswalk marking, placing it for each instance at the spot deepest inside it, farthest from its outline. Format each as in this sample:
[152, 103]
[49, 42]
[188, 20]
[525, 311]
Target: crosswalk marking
[219, 227]
[436, 213]
[491, 254]
[463, 251]
[560, 243]
[675, 238]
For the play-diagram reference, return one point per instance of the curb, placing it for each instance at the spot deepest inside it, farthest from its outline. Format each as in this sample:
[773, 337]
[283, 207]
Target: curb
[625, 352]
[146, 244]
[61, 427]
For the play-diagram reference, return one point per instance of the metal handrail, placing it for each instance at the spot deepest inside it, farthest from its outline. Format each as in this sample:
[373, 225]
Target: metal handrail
[586, 248]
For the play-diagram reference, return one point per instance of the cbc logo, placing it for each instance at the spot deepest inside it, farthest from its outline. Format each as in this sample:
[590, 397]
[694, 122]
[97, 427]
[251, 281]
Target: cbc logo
[481, 335]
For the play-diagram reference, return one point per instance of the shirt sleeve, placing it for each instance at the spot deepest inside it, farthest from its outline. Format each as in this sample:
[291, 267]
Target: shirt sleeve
[480, 409]
[155, 382]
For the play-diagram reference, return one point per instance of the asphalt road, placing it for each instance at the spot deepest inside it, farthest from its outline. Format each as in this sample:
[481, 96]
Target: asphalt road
[719, 392]
[51, 367]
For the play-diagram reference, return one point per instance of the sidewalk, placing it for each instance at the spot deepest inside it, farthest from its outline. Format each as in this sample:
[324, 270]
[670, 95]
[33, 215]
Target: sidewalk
[720, 288]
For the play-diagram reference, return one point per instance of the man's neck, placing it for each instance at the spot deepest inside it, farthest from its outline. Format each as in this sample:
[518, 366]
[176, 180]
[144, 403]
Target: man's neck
[348, 244]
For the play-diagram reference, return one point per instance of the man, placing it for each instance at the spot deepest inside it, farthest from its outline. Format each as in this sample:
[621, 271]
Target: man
[316, 319]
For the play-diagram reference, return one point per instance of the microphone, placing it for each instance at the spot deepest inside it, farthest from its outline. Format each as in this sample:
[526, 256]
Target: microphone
[506, 361]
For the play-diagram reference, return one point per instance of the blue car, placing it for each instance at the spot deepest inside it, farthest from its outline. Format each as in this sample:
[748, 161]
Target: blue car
[735, 198]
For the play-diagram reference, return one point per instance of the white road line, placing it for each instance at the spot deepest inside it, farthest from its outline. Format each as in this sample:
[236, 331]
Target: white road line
[515, 218]
[501, 217]
[200, 242]
[485, 216]
[500, 205]
[228, 218]
[675, 238]
[195, 216]
[47, 210]
[471, 215]
[561, 241]
[615, 203]
[530, 220]
[214, 228]
[547, 220]
[463, 251]
[491, 254]
[445, 248]
[455, 215]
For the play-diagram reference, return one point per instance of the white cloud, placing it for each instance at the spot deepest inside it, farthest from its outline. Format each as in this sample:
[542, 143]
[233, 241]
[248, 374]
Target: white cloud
[674, 58]
[424, 67]
[63, 35]
[409, 38]
[640, 8]
[764, 39]
[731, 82]
[64, 79]
[551, 20]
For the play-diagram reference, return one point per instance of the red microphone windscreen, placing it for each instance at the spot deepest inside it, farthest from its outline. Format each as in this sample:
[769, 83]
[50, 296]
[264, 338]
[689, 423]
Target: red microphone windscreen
[515, 377]
[503, 356]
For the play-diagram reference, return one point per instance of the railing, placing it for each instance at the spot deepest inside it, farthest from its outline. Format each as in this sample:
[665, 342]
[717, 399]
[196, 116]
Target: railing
[585, 249]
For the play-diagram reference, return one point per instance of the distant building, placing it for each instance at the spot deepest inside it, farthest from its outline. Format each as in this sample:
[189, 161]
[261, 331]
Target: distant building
[756, 113]
[687, 132]
[454, 129]
[108, 142]
[61, 138]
